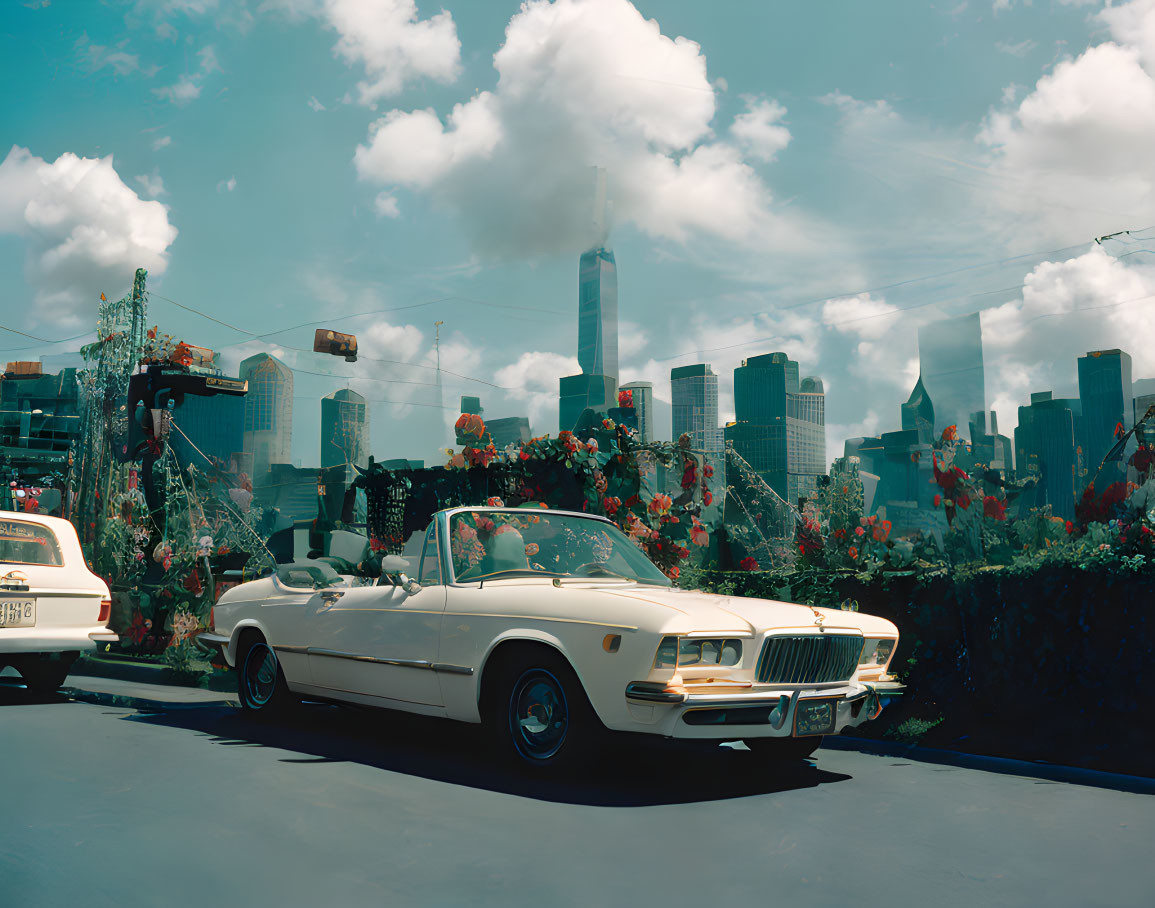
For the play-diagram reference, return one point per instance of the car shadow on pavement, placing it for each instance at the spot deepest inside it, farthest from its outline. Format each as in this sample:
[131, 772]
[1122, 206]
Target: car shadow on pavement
[633, 773]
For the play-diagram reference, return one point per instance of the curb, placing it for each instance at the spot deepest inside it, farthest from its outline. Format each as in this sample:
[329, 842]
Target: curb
[144, 704]
[1052, 772]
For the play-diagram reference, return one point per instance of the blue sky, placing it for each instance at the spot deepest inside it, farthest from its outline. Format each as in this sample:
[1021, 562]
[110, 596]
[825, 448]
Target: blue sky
[784, 176]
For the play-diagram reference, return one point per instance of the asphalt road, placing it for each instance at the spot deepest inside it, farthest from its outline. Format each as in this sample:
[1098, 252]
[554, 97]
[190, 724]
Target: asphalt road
[103, 805]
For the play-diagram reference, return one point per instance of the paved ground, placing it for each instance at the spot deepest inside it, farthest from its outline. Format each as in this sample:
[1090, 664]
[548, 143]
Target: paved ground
[191, 804]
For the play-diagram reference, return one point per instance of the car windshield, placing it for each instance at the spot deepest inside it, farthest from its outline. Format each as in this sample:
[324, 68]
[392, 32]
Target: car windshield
[488, 544]
[28, 543]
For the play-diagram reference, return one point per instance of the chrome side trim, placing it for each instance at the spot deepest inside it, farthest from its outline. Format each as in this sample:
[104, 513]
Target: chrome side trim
[210, 639]
[403, 663]
[636, 690]
[104, 636]
[294, 650]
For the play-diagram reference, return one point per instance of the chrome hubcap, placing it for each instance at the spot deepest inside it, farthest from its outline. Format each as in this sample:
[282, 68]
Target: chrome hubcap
[538, 715]
[260, 674]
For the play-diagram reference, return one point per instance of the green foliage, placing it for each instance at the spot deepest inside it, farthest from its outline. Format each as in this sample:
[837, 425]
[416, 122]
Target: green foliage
[912, 730]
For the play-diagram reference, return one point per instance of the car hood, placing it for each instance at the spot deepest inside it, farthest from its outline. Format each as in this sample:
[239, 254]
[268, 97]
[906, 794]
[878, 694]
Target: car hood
[692, 610]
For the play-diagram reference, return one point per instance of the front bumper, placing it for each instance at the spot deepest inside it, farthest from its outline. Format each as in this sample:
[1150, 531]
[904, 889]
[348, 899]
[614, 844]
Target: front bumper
[763, 712]
[54, 639]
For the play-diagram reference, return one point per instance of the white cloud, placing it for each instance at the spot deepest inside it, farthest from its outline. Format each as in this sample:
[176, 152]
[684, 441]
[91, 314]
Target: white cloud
[161, 142]
[1081, 140]
[188, 87]
[758, 130]
[152, 184]
[1018, 49]
[632, 339]
[227, 185]
[534, 378]
[84, 230]
[584, 83]
[316, 105]
[1090, 302]
[386, 205]
[393, 44]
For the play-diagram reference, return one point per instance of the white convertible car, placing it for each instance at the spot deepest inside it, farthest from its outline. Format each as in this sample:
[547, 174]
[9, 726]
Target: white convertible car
[552, 627]
[52, 607]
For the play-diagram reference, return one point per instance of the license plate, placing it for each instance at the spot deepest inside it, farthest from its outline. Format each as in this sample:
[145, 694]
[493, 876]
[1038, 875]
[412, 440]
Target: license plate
[17, 612]
[814, 717]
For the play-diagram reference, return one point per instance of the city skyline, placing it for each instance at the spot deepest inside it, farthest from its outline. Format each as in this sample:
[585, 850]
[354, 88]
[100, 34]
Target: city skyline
[760, 204]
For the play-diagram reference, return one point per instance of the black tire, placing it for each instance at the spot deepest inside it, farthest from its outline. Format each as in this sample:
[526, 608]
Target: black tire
[261, 684]
[541, 715]
[784, 750]
[43, 675]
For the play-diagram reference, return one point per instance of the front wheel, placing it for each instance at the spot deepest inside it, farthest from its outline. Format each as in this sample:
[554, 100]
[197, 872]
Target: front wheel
[784, 750]
[261, 684]
[542, 717]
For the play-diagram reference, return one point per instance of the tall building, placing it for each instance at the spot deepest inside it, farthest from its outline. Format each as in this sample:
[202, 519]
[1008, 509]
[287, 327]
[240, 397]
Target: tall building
[918, 413]
[994, 451]
[694, 402]
[950, 358]
[1046, 450]
[643, 395]
[509, 430]
[598, 313]
[1106, 396]
[344, 431]
[268, 423]
[579, 392]
[780, 425]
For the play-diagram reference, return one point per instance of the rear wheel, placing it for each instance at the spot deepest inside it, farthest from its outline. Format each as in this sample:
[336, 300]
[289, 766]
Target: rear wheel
[784, 750]
[44, 674]
[541, 714]
[260, 682]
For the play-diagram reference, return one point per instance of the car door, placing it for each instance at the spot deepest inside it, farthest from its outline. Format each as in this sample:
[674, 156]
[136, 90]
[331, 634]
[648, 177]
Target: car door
[381, 640]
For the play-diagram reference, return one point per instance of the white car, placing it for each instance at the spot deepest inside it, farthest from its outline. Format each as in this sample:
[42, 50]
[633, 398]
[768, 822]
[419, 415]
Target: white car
[52, 607]
[552, 627]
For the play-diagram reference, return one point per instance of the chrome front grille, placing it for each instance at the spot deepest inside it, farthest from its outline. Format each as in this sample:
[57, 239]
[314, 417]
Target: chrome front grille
[809, 659]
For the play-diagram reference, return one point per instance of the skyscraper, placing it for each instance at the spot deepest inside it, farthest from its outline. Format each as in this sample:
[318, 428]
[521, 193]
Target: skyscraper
[1106, 396]
[1045, 449]
[509, 430]
[694, 402]
[268, 426]
[597, 386]
[780, 426]
[344, 431]
[950, 357]
[643, 395]
[598, 313]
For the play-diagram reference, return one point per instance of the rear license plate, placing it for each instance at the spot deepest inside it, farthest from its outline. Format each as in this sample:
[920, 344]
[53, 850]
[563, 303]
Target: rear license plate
[814, 717]
[17, 612]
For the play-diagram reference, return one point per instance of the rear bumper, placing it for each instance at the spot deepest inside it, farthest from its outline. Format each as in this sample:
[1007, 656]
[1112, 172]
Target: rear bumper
[53, 639]
[762, 713]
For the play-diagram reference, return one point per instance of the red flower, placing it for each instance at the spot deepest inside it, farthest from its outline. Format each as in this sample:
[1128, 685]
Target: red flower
[937, 500]
[672, 572]
[625, 398]
[853, 552]
[950, 433]
[1070, 527]
[993, 508]
[524, 455]
[707, 498]
[963, 500]
[748, 564]
[698, 534]
[689, 476]
[610, 505]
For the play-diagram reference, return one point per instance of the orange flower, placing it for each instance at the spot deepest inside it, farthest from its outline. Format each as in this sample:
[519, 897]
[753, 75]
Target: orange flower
[853, 553]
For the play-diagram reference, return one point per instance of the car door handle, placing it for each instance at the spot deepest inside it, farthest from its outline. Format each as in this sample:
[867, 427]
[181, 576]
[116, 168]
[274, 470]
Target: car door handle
[330, 598]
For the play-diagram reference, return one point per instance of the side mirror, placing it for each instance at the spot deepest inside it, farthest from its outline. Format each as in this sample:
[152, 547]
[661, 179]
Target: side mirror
[410, 585]
[394, 564]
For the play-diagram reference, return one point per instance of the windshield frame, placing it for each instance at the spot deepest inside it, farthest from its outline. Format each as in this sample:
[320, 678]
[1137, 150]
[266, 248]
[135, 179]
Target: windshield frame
[445, 516]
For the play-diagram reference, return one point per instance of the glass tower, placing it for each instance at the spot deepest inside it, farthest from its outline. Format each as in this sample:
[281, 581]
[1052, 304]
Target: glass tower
[950, 358]
[643, 394]
[268, 426]
[694, 403]
[1105, 393]
[344, 431]
[1046, 450]
[598, 313]
[780, 425]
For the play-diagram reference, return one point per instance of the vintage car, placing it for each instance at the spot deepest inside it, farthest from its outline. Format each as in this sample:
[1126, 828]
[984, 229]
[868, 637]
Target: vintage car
[52, 607]
[552, 627]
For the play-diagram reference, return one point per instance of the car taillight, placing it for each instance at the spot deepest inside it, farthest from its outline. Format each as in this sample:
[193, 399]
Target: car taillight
[105, 610]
